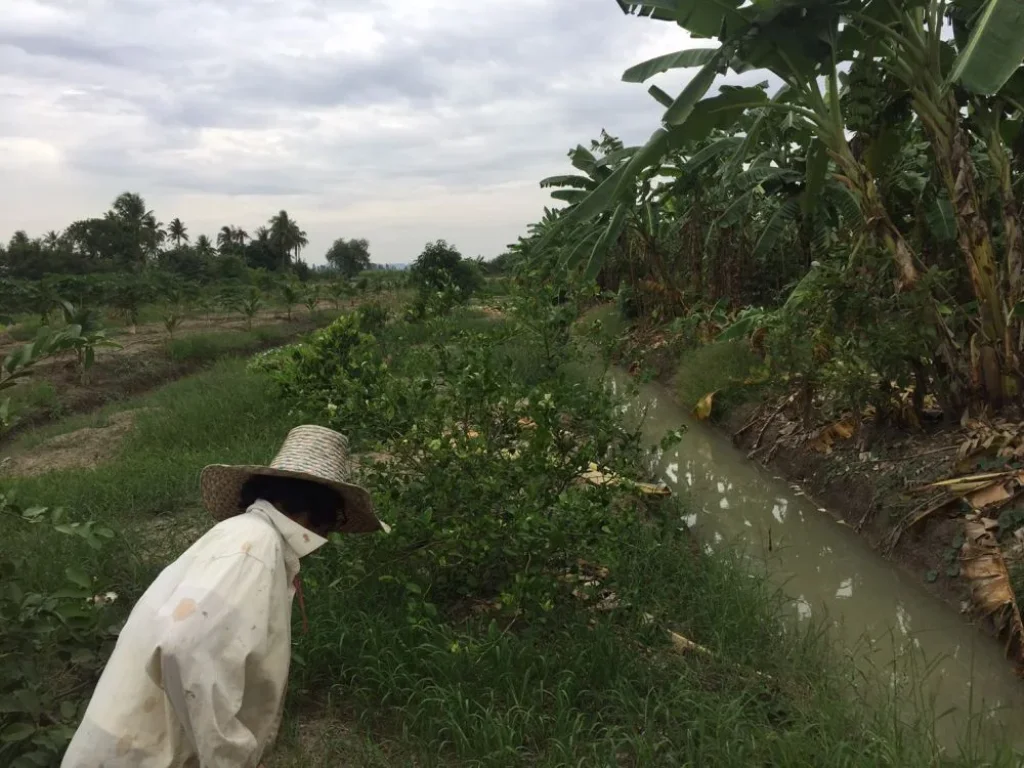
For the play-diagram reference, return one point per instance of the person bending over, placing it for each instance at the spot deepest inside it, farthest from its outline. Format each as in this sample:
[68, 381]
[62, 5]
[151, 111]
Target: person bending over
[198, 675]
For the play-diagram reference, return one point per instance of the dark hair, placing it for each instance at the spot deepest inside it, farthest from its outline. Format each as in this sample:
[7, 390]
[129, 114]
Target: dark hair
[292, 495]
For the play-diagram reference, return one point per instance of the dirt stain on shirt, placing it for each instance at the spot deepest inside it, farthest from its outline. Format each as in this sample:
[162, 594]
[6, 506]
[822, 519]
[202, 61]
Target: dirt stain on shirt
[184, 609]
[123, 745]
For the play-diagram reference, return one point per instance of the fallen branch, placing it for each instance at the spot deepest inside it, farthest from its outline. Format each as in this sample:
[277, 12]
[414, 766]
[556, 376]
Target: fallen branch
[913, 518]
[771, 417]
[894, 459]
[745, 427]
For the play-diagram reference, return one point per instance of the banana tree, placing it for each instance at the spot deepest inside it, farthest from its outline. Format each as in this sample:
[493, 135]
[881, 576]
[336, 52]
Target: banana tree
[909, 43]
[797, 41]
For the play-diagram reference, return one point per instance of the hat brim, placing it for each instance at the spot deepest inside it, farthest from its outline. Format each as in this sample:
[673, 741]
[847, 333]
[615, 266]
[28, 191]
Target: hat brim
[221, 488]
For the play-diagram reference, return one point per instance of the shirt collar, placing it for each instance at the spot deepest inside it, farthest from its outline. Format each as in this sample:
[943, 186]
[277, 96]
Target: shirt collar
[302, 540]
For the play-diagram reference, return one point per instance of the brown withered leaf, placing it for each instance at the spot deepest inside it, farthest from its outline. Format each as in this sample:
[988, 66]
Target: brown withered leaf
[702, 411]
[596, 476]
[685, 645]
[996, 493]
[982, 564]
[982, 491]
[843, 429]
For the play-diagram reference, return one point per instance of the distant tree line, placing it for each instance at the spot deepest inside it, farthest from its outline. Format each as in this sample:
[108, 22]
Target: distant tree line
[129, 237]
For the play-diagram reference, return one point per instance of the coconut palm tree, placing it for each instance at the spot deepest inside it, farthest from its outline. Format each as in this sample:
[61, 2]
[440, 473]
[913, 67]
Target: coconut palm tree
[298, 239]
[286, 236]
[241, 236]
[141, 231]
[204, 247]
[225, 238]
[178, 232]
[153, 235]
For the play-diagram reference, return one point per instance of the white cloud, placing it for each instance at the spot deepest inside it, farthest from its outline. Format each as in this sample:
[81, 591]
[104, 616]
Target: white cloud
[392, 120]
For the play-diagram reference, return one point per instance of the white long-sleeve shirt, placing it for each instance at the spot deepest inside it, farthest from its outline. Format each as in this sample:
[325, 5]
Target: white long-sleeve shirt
[198, 675]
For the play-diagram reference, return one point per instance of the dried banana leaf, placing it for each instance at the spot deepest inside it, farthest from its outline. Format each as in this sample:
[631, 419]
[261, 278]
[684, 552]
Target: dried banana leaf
[982, 564]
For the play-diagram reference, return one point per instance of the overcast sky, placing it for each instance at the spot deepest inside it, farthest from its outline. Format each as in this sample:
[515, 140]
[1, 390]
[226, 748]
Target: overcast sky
[400, 121]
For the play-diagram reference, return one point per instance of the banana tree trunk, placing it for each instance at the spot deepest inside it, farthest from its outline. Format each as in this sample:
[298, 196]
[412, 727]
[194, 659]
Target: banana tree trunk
[1014, 240]
[695, 232]
[993, 354]
[876, 218]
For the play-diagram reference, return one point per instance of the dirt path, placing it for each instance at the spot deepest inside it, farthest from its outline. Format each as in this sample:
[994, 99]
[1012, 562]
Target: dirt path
[80, 449]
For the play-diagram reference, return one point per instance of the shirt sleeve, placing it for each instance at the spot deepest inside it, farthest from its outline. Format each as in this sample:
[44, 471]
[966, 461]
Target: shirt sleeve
[214, 626]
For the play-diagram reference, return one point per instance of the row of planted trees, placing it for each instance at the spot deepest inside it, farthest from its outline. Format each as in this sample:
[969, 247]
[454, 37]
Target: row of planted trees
[866, 194]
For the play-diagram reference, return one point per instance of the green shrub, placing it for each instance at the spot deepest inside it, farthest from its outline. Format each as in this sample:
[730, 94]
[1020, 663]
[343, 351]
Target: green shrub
[722, 367]
[373, 316]
[41, 703]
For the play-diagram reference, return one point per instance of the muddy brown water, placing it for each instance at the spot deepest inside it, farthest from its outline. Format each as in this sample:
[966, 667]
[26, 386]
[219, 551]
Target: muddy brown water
[885, 618]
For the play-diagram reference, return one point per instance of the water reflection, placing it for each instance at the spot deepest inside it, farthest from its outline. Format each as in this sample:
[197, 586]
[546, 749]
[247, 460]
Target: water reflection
[779, 512]
[880, 613]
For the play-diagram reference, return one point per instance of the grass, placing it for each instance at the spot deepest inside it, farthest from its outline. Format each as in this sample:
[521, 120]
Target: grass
[374, 686]
[220, 415]
[596, 691]
[213, 345]
[36, 397]
[720, 367]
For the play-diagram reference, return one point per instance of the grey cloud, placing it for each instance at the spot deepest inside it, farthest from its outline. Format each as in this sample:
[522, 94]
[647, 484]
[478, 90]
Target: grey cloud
[72, 49]
[471, 100]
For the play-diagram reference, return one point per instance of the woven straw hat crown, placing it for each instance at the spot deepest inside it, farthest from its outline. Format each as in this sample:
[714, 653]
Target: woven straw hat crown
[309, 452]
[317, 452]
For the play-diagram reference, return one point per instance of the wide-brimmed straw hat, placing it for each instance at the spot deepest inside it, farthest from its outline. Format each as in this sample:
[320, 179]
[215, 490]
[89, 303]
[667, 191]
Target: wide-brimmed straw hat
[309, 453]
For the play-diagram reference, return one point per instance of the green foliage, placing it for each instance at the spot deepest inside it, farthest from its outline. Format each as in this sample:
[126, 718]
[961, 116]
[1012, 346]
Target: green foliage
[338, 290]
[311, 299]
[249, 304]
[861, 346]
[867, 161]
[349, 257]
[373, 316]
[291, 294]
[173, 318]
[40, 704]
[443, 277]
[209, 347]
[338, 374]
[83, 335]
[515, 616]
[727, 368]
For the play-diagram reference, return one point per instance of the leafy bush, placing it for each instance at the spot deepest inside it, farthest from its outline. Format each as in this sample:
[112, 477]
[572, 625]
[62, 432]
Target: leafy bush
[722, 367]
[40, 705]
[456, 409]
[337, 375]
[373, 316]
[444, 278]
